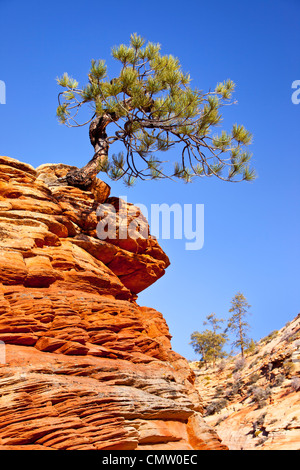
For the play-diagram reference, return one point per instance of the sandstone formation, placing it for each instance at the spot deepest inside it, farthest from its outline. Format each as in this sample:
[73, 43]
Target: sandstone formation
[82, 365]
[256, 404]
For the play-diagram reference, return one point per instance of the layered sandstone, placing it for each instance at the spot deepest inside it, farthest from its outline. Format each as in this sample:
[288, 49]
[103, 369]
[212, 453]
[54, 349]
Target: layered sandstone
[82, 365]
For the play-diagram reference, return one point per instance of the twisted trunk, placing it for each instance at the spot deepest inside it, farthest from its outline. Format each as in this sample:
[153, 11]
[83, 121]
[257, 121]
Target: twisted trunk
[84, 177]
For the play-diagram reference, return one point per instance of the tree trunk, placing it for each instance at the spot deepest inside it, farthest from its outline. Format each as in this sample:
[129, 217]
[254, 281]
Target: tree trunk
[84, 177]
[241, 334]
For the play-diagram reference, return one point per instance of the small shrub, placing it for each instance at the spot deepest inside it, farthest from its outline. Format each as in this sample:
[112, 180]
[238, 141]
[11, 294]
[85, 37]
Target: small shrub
[252, 348]
[260, 395]
[295, 384]
[253, 378]
[260, 420]
[237, 376]
[235, 388]
[269, 338]
[239, 364]
[288, 367]
[216, 406]
[279, 379]
[290, 336]
[273, 421]
[219, 391]
[261, 441]
[200, 364]
[222, 365]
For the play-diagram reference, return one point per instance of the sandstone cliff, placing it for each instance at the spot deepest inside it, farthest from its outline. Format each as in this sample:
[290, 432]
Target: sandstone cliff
[255, 404]
[82, 365]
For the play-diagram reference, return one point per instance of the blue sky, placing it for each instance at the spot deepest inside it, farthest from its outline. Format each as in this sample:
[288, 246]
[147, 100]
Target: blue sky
[251, 229]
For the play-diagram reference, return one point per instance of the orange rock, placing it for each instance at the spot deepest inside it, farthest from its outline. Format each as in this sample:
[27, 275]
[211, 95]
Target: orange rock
[85, 367]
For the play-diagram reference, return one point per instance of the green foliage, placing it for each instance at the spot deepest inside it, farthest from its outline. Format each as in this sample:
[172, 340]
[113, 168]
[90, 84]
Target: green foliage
[237, 323]
[269, 337]
[288, 367]
[209, 344]
[251, 347]
[152, 107]
[214, 321]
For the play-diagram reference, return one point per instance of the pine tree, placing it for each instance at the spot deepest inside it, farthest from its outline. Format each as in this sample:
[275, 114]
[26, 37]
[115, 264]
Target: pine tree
[151, 107]
[209, 344]
[251, 347]
[214, 321]
[237, 323]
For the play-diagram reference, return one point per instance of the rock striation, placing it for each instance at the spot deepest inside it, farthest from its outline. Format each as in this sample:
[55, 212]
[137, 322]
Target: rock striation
[82, 365]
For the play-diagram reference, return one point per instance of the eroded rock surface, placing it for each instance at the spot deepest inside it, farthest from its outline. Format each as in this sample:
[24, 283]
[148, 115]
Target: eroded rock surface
[82, 365]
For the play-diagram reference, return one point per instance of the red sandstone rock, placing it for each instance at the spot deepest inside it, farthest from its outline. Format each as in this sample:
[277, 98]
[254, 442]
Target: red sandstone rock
[86, 367]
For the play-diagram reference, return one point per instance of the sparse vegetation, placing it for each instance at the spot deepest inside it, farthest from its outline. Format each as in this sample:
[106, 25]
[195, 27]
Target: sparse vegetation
[290, 336]
[216, 406]
[288, 367]
[252, 348]
[234, 389]
[260, 420]
[269, 337]
[219, 389]
[295, 384]
[260, 395]
[239, 364]
[222, 365]
[257, 385]
[279, 379]
[254, 378]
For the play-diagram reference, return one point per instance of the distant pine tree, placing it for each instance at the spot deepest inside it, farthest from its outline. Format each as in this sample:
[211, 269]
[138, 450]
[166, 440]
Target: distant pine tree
[237, 323]
[150, 108]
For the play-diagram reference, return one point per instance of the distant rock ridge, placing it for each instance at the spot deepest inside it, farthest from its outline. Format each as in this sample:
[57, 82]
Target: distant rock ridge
[255, 403]
[83, 366]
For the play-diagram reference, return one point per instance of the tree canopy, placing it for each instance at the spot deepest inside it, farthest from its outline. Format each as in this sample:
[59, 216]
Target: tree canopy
[151, 107]
[209, 343]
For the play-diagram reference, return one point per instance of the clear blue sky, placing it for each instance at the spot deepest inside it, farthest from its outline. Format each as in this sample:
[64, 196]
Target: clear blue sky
[252, 230]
